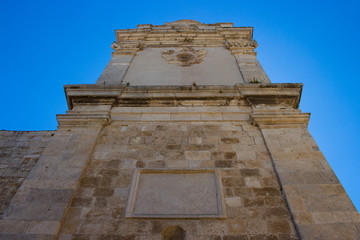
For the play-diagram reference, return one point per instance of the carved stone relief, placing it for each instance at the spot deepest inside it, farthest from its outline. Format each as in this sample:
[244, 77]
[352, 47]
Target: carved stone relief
[126, 47]
[185, 56]
[240, 43]
[115, 46]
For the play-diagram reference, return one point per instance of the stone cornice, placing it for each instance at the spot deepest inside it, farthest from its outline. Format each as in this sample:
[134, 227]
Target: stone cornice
[83, 119]
[259, 96]
[279, 119]
[272, 94]
[237, 39]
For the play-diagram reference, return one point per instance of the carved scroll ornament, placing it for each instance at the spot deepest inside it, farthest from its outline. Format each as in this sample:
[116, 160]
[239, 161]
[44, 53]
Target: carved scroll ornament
[185, 56]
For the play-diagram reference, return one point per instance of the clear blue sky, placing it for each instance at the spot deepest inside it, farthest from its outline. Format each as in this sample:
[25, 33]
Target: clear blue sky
[46, 44]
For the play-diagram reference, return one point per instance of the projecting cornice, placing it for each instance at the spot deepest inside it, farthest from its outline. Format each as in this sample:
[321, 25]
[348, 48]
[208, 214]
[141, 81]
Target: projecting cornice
[258, 96]
[283, 95]
[190, 33]
[279, 119]
[81, 119]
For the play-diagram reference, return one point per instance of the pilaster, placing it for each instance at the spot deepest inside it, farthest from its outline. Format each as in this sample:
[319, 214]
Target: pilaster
[115, 70]
[250, 68]
[40, 204]
[319, 205]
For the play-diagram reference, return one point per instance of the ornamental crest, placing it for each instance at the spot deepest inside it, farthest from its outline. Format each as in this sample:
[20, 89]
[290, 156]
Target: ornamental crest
[185, 56]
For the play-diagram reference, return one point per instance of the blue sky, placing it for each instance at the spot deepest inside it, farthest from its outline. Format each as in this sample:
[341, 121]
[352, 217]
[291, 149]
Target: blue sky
[46, 44]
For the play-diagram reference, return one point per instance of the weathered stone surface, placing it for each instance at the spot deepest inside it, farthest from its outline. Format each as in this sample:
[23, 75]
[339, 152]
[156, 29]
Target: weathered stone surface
[312, 190]
[150, 68]
[44, 196]
[168, 194]
[115, 70]
[19, 152]
[233, 202]
[244, 184]
[344, 231]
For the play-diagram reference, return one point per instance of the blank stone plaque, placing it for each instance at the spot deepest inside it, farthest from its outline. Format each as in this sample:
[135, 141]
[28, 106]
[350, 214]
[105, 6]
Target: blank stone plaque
[175, 194]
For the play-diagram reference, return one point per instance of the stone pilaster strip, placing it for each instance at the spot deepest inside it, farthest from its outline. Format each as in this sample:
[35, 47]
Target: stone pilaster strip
[116, 69]
[38, 207]
[250, 68]
[318, 203]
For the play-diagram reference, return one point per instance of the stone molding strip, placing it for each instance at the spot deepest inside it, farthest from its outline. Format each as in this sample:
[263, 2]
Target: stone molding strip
[83, 119]
[258, 95]
[185, 116]
[272, 104]
[280, 119]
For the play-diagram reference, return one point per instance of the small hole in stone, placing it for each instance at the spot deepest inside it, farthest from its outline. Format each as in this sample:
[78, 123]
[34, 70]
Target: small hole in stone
[173, 233]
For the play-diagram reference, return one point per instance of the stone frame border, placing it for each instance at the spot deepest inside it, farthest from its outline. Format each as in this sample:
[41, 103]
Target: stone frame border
[135, 183]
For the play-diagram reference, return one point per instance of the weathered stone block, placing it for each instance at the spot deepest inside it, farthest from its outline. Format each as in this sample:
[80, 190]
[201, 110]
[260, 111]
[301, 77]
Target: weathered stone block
[279, 226]
[235, 237]
[13, 226]
[43, 227]
[107, 192]
[233, 202]
[197, 155]
[329, 231]
[34, 211]
[81, 202]
[258, 226]
[252, 182]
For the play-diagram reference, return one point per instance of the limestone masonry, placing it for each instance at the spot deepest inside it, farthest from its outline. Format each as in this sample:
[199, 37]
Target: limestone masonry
[183, 136]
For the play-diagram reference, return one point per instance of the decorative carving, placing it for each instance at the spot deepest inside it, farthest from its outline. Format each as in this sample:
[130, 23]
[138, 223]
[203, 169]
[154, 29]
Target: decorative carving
[140, 46]
[185, 24]
[185, 56]
[240, 43]
[236, 43]
[185, 27]
[115, 46]
[127, 48]
[253, 44]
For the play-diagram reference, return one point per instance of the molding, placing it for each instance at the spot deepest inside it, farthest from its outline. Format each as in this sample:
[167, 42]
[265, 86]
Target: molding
[279, 119]
[283, 95]
[259, 96]
[83, 119]
[239, 40]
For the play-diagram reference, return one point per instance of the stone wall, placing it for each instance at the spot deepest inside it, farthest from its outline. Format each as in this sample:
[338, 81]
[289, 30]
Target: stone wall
[39, 204]
[255, 207]
[19, 152]
[318, 202]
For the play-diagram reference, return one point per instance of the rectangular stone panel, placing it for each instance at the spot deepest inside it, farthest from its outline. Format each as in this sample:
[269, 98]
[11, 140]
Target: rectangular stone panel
[149, 67]
[175, 194]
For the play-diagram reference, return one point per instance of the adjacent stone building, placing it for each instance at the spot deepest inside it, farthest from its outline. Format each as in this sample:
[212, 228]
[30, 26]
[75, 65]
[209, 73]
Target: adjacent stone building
[183, 136]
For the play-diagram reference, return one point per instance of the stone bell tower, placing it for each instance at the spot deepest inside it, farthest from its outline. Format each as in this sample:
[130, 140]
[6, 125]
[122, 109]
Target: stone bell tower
[183, 136]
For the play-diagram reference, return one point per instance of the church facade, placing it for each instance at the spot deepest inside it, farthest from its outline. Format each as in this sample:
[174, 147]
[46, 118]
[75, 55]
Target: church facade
[183, 136]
